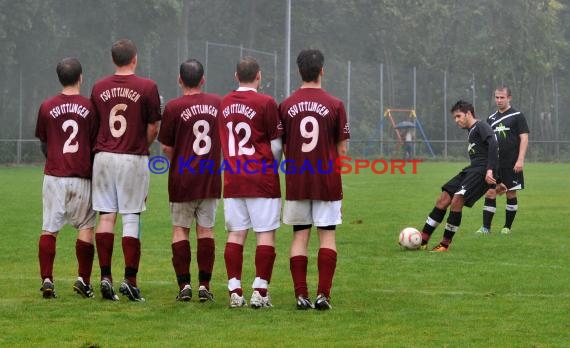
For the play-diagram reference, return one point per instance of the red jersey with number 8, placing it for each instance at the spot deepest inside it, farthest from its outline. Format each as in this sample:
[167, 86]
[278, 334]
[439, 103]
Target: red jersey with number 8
[126, 104]
[68, 124]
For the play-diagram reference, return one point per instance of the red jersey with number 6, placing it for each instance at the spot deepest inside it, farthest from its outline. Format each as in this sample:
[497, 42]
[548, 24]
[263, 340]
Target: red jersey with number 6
[126, 104]
[68, 124]
[248, 122]
[190, 127]
[314, 123]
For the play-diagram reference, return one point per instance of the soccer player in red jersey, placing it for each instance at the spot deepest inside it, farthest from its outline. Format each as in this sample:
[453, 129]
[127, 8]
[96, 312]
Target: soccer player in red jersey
[190, 140]
[316, 133]
[250, 133]
[128, 107]
[67, 129]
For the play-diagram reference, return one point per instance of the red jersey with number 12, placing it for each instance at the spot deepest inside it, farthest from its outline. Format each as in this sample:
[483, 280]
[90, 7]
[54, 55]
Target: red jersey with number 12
[126, 104]
[248, 121]
[68, 124]
[314, 123]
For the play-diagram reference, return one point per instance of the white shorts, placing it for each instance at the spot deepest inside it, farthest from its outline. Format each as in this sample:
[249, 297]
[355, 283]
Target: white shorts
[311, 212]
[261, 214]
[120, 183]
[204, 210]
[67, 200]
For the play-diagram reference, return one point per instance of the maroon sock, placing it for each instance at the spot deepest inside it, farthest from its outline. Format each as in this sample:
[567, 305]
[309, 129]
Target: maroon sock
[85, 253]
[264, 260]
[326, 264]
[206, 254]
[233, 255]
[104, 243]
[181, 255]
[132, 255]
[46, 255]
[298, 267]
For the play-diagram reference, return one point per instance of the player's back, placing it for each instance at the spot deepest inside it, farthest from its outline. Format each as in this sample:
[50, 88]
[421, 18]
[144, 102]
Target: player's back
[314, 123]
[125, 104]
[248, 122]
[68, 124]
[189, 126]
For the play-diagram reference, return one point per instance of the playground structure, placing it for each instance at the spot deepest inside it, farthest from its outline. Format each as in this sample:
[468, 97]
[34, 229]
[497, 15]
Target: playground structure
[400, 128]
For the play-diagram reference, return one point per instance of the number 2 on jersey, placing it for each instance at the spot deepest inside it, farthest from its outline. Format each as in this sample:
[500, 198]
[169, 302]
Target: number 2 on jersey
[242, 149]
[313, 134]
[68, 147]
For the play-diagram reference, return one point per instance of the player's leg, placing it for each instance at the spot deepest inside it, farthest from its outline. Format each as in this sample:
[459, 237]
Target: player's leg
[82, 217]
[326, 216]
[515, 182]
[299, 215]
[437, 214]
[105, 202]
[182, 215]
[489, 210]
[206, 247]
[471, 189]
[46, 256]
[53, 199]
[453, 222]
[237, 224]
[265, 214]
[132, 178]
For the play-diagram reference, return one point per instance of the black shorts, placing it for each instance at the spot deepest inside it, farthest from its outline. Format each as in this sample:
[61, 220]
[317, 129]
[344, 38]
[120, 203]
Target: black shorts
[470, 183]
[513, 181]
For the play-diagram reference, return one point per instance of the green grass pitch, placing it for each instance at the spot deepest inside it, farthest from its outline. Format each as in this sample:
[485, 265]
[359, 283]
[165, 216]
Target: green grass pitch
[494, 291]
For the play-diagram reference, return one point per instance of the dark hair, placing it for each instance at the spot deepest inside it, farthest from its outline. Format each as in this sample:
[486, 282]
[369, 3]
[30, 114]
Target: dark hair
[310, 63]
[247, 69]
[463, 106]
[191, 72]
[123, 52]
[504, 88]
[68, 71]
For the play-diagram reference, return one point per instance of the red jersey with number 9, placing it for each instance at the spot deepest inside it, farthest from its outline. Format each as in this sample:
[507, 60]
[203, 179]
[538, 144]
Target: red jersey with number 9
[248, 121]
[126, 104]
[314, 123]
[68, 124]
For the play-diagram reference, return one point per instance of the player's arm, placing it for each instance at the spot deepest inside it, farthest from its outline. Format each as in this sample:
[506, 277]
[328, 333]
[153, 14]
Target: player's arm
[523, 146]
[43, 146]
[492, 157]
[152, 132]
[341, 147]
[277, 148]
[168, 151]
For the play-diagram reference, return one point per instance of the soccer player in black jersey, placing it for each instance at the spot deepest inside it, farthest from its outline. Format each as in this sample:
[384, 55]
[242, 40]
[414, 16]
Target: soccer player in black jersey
[512, 131]
[471, 183]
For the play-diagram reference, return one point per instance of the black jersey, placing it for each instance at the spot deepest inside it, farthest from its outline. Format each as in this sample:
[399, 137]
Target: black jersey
[482, 147]
[508, 127]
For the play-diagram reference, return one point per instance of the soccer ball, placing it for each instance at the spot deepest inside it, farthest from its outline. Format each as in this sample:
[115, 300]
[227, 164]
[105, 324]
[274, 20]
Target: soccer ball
[410, 238]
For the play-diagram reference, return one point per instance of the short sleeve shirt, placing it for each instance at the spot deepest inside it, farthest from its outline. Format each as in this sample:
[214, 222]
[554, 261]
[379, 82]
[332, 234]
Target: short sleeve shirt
[189, 126]
[508, 126]
[314, 123]
[68, 124]
[248, 122]
[126, 104]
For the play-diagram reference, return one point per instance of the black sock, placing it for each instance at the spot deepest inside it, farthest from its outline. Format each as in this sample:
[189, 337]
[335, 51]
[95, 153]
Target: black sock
[434, 219]
[452, 226]
[511, 211]
[489, 210]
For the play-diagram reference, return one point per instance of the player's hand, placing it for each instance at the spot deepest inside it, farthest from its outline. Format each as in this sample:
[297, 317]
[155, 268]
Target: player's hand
[489, 179]
[501, 189]
[518, 166]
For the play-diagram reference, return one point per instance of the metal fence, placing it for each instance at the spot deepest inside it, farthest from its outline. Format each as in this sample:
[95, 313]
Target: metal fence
[367, 90]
